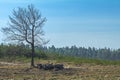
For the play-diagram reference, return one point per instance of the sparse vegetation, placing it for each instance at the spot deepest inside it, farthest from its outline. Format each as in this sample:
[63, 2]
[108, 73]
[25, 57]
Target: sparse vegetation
[84, 71]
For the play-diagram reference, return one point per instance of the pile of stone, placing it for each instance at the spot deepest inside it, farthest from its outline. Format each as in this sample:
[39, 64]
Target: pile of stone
[50, 66]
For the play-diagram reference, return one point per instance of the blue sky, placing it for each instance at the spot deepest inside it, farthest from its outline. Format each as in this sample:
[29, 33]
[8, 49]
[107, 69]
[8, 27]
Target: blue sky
[94, 23]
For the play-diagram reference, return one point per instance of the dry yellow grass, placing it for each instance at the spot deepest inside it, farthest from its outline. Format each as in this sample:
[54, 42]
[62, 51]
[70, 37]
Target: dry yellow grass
[18, 71]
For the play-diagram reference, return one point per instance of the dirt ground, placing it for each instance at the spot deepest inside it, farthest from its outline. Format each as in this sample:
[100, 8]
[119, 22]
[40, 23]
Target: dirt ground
[12, 71]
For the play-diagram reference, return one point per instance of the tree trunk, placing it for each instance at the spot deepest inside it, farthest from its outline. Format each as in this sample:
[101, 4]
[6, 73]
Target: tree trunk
[32, 56]
[33, 48]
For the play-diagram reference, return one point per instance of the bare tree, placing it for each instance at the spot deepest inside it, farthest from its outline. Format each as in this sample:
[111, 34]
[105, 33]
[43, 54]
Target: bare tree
[26, 25]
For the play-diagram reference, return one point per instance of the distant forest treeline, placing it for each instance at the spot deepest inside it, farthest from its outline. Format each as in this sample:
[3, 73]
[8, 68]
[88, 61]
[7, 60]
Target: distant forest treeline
[22, 50]
[92, 53]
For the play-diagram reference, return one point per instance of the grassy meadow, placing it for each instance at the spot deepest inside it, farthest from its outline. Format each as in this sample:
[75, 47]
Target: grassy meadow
[75, 69]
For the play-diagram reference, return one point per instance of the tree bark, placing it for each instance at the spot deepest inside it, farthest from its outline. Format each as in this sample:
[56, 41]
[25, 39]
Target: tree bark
[32, 56]
[33, 47]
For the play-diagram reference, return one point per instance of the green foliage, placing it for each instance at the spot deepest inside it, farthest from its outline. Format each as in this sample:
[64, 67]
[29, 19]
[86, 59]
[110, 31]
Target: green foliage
[93, 53]
[11, 52]
[40, 54]
[78, 60]
[23, 53]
